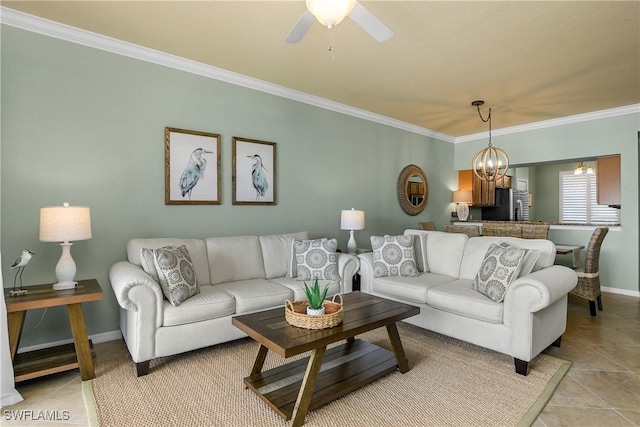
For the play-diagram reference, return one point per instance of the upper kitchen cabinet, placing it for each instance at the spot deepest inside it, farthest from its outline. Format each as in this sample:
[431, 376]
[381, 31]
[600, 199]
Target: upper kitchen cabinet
[608, 173]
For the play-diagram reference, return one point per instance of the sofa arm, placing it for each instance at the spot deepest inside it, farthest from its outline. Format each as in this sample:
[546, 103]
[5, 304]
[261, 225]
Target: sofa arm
[348, 266]
[135, 290]
[538, 290]
[366, 272]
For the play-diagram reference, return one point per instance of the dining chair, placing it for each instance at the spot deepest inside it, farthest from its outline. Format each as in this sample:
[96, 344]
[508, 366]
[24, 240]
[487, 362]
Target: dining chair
[427, 225]
[588, 286]
[469, 230]
[535, 231]
[502, 229]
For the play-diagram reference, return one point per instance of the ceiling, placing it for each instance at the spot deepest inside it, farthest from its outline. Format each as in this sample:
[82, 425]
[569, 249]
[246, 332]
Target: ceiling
[530, 61]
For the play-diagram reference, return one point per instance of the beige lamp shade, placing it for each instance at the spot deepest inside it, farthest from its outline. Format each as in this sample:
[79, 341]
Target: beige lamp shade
[65, 223]
[461, 196]
[352, 220]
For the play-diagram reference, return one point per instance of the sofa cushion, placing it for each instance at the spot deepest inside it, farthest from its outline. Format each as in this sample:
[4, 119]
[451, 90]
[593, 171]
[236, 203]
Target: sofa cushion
[476, 248]
[410, 289]
[316, 259]
[176, 273]
[298, 287]
[235, 258]
[444, 252]
[197, 251]
[147, 261]
[500, 267]
[256, 294]
[393, 256]
[459, 297]
[210, 303]
[277, 254]
[419, 249]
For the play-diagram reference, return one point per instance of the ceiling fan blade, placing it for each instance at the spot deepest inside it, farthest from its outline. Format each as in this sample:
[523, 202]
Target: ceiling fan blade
[370, 23]
[299, 30]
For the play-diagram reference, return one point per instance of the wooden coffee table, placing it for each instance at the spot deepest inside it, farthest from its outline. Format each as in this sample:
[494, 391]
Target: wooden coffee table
[305, 384]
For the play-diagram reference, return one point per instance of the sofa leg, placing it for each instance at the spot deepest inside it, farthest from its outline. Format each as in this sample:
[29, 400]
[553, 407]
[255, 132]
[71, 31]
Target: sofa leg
[522, 367]
[142, 368]
[599, 299]
[556, 343]
[592, 308]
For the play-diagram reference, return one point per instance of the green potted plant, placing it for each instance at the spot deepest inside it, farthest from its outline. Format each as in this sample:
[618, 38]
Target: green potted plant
[315, 298]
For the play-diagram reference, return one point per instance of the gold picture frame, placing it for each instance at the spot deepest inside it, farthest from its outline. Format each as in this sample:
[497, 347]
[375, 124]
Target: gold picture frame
[191, 167]
[254, 172]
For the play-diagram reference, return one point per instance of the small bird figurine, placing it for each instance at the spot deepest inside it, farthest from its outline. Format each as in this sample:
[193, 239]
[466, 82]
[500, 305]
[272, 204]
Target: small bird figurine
[20, 263]
[259, 177]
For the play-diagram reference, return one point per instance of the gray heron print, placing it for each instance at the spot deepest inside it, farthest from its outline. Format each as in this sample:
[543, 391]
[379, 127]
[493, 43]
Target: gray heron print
[259, 177]
[194, 171]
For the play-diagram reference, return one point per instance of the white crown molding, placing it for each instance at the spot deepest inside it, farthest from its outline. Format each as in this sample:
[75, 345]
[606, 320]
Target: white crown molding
[86, 38]
[602, 114]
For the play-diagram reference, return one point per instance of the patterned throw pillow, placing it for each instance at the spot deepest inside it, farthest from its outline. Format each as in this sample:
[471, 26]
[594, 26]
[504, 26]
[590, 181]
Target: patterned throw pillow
[316, 259]
[176, 273]
[501, 265]
[393, 256]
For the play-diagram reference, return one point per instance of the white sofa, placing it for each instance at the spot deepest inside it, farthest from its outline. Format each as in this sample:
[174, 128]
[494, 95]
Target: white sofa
[236, 275]
[532, 316]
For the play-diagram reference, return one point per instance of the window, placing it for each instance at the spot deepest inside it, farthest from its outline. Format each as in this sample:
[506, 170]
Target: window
[578, 200]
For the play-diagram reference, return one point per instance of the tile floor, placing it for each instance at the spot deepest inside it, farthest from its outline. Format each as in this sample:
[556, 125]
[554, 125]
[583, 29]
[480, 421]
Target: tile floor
[601, 389]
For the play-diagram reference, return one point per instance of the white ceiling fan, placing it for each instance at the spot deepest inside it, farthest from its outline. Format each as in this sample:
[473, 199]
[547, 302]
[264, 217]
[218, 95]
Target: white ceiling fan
[331, 12]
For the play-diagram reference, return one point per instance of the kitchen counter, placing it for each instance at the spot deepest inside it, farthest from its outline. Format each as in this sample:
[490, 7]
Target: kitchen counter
[553, 225]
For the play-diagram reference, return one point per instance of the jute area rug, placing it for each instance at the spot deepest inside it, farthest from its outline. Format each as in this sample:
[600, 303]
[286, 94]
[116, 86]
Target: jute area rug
[451, 383]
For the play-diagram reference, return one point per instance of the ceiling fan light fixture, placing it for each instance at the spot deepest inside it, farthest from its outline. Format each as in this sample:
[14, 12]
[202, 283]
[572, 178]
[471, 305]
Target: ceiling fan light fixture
[330, 12]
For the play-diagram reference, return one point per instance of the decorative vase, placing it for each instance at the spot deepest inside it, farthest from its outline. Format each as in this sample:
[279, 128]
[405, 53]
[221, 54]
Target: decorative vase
[315, 312]
[463, 211]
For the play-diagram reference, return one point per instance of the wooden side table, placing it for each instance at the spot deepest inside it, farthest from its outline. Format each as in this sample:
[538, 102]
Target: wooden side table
[57, 359]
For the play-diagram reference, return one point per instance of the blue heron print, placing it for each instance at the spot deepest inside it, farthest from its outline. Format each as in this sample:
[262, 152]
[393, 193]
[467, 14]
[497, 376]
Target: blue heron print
[193, 172]
[259, 177]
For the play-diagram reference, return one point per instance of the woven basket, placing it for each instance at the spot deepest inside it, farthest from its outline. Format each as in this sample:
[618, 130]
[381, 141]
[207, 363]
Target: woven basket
[295, 314]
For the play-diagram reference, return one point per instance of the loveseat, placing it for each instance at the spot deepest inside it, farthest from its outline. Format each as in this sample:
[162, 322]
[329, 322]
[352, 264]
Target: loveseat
[531, 317]
[235, 275]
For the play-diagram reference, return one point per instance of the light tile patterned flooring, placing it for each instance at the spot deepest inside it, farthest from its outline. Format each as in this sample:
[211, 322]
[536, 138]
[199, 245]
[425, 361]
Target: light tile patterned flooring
[601, 389]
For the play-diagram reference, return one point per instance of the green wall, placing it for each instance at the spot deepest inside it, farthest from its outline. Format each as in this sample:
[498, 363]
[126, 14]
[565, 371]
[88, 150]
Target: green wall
[617, 135]
[87, 126]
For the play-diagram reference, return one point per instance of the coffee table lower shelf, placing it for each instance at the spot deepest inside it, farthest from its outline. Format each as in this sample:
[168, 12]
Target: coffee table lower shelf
[344, 368]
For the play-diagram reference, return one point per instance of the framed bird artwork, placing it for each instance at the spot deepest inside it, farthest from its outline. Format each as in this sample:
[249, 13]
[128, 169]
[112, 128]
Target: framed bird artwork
[191, 167]
[254, 172]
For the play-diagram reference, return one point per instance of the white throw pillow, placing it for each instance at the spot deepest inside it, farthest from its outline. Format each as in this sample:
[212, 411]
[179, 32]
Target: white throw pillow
[176, 273]
[316, 259]
[501, 265]
[393, 256]
[148, 264]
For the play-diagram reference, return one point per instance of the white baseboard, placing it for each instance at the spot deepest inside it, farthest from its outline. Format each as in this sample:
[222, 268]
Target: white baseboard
[97, 338]
[619, 291]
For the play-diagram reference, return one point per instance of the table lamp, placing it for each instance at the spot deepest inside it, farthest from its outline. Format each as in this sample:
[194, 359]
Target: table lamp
[352, 220]
[65, 224]
[462, 198]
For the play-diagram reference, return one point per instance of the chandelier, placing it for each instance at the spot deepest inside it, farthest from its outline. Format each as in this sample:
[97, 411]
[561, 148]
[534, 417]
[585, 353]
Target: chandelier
[490, 163]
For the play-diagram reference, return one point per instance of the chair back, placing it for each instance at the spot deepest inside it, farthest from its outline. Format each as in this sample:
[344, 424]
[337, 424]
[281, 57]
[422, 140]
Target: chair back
[427, 225]
[535, 231]
[469, 230]
[592, 257]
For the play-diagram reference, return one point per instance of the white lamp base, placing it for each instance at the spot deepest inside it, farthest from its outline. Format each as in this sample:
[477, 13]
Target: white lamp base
[463, 211]
[64, 285]
[65, 269]
[352, 245]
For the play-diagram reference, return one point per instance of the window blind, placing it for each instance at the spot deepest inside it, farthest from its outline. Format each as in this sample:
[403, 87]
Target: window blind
[579, 200]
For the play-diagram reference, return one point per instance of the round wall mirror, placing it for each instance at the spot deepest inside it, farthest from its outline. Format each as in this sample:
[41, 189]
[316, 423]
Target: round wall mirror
[413, 190]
